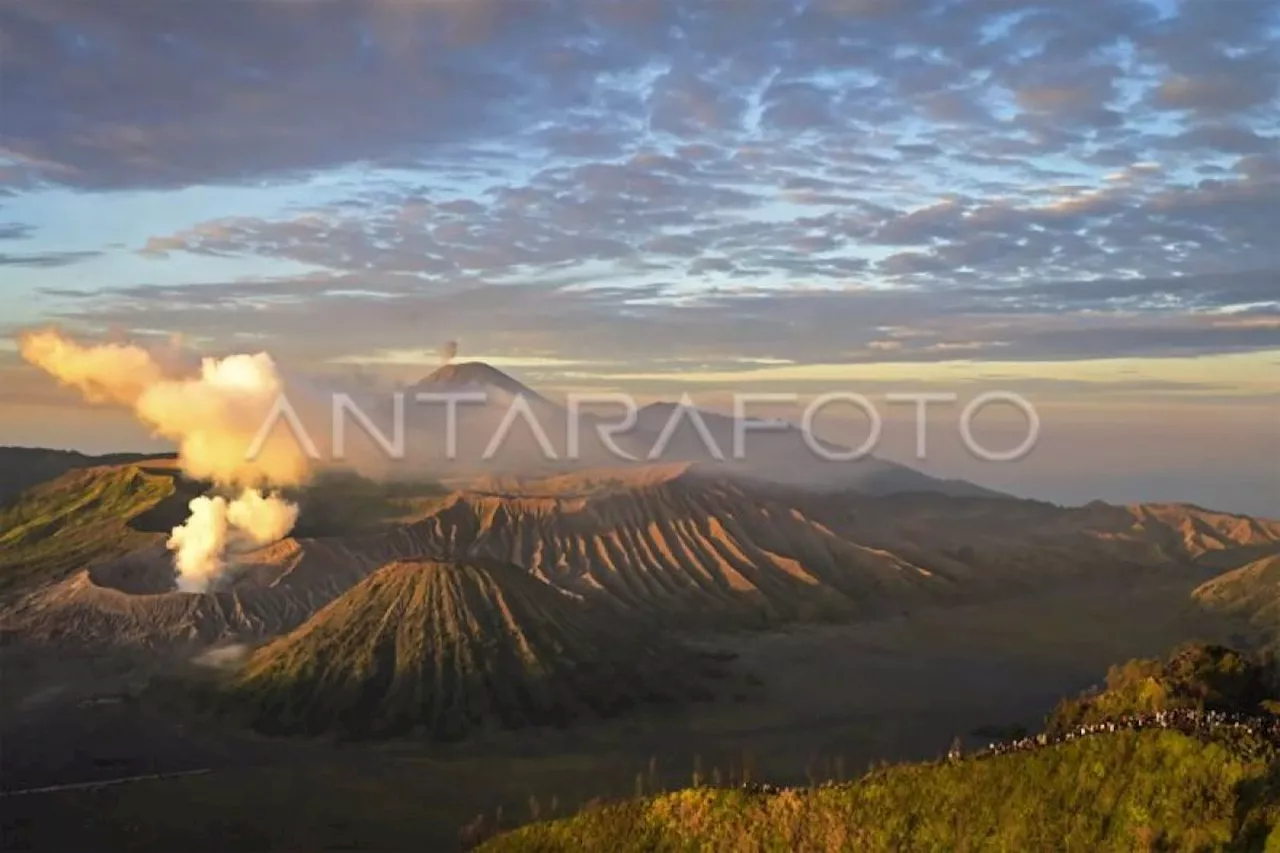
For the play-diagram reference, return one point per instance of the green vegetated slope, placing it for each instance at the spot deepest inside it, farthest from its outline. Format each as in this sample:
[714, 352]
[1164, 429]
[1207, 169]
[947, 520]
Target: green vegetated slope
[96, 513]
[83, 515]
[1147, 789]
[24, 467]
[1195, 677]
[1152, 790]
[440, 648]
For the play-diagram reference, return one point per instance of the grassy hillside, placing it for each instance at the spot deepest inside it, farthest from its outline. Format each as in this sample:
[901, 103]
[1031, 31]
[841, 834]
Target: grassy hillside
[437, 649]
[24, 467]
[1149, 790]
[85, 514]
[1195, 677]
[95, 513]
[1087, 786]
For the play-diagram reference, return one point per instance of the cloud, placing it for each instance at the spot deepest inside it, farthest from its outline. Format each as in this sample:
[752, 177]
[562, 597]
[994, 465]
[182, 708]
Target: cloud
[45, 260]
[310, 320]
[586, 181]
[214, 419]
[128, 93]
[15, 230]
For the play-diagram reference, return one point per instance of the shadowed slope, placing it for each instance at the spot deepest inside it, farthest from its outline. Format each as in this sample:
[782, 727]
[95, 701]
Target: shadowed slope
[21, 468]
[1249, 594]
[781, 453]
[1177, 754]
[436, 649]
[682, 542]
[1145, 790]
[85, 515]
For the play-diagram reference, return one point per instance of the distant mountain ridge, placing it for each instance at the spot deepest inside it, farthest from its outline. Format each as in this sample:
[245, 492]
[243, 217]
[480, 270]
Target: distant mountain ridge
[1250, 595]
[678, 545]
[24, 467]
[685, 544]
[781, 454]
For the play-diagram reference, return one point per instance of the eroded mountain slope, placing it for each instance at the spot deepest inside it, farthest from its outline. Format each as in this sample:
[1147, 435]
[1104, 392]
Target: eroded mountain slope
[675, 545]
[439, 648]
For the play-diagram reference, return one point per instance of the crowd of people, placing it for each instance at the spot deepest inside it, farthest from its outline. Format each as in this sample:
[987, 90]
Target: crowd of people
[1190, 722]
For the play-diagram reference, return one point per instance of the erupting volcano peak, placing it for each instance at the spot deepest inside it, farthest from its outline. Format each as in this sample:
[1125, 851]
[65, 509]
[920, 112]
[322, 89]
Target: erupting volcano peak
[469, 374]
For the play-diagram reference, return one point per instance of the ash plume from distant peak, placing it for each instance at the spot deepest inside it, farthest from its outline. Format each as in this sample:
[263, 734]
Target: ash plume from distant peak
[448, 351]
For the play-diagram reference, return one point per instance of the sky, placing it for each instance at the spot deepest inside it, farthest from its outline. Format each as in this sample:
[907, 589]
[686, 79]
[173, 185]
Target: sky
[1075, 202]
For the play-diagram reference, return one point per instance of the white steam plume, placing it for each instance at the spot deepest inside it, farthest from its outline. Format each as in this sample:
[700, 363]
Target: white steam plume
[217, 525]
[213, 417]
[200, 543]
[262, 518]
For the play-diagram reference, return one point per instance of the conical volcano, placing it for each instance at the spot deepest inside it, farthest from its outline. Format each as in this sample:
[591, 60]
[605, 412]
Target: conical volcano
[476, 403]
[469, 375]
[441, 648]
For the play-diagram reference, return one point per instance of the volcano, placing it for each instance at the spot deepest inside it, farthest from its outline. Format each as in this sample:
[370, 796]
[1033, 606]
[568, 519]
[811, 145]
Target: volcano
[475, 375]
[674, 546]
[436, 649]
[782, 454]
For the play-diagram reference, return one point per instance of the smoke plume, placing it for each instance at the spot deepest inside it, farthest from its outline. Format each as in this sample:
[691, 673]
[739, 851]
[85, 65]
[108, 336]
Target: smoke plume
[213, 417]
[262, 518]
[223, 656]
[217, 525]
[448, 352]
[110, 373]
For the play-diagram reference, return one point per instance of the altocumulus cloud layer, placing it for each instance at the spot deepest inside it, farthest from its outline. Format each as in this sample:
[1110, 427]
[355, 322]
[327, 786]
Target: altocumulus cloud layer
[822, 180]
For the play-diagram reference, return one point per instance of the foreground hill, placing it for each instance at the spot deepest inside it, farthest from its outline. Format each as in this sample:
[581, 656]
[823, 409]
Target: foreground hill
[438, 648]
[1196, 678]
[1132, 790]
[1176, 754]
